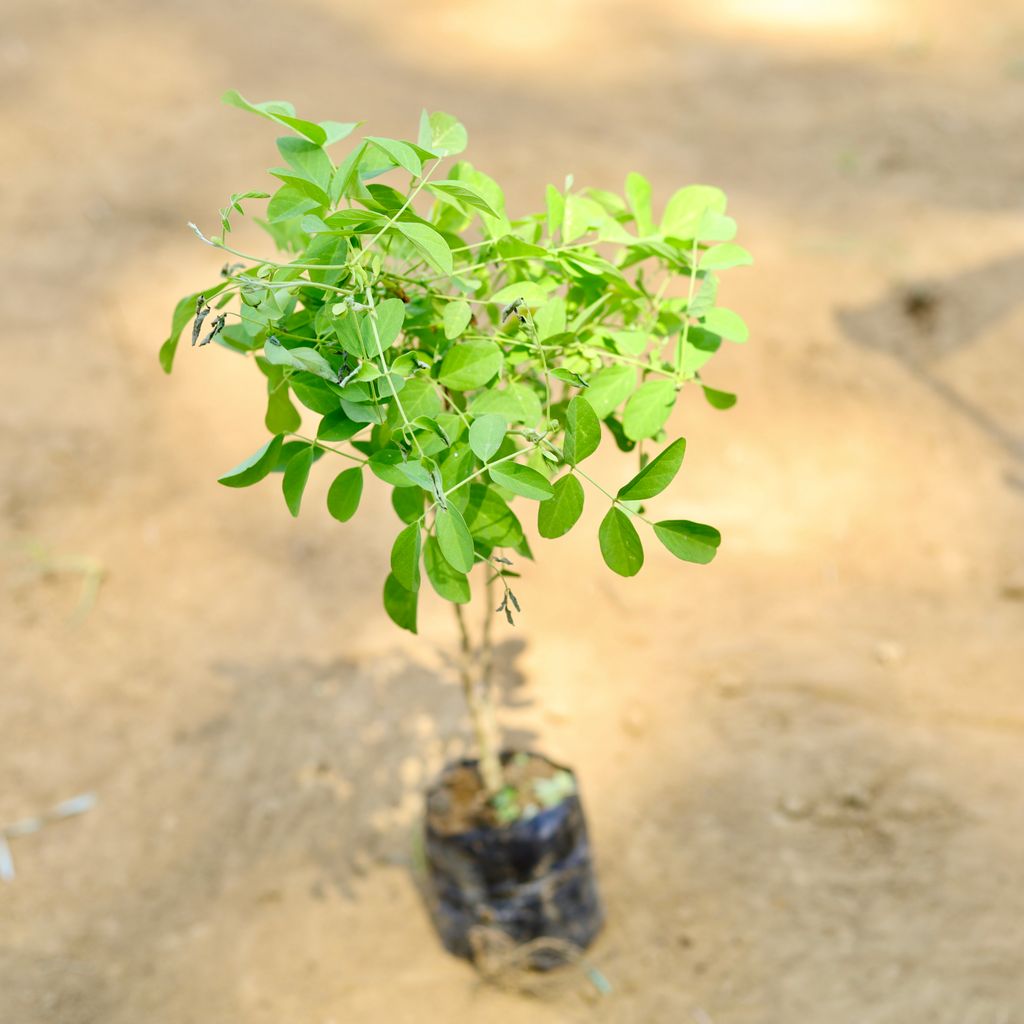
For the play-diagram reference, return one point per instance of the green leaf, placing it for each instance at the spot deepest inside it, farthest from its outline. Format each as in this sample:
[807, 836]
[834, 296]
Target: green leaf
[638, 195]
[719, 399]
[486, 434]
[400, 152]
[337, 426]
[521, 480]
[699, 346]
[470, 364]
[728, 324]
[302, 358]
[582, 431]
[490, 520]
[407, 503]
[454, 537]
[405, 558]
[609, 388]
[648, 408]
[428, 243]
[728, 254]
[716, 227]
[559, 515]
[281, 113]
[518, 403]
[335, 131]
[390, 318]
[533, 293]
[581, 215]
[457, 316]
[289, 202]
[656, 475]
[685, 210]
[400, 604]
[390, 465]
[344, 494]
[442, 134]
[692, 542]
[461, 191]
[419, 398]
[282, 417]
[308, 160]
[512, 247]
[620, 543]
[555, 210]
[256, 467]
[347, 180]
[705, 297]
[449, 583]
[623, 443]
[295, 476]
[550, 318]
[315, 394]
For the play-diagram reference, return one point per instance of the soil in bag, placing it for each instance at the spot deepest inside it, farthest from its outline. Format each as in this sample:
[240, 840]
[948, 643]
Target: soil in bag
[517, 880]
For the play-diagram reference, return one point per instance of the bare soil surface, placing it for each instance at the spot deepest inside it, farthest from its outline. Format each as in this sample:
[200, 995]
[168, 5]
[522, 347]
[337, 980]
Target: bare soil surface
[801, 764]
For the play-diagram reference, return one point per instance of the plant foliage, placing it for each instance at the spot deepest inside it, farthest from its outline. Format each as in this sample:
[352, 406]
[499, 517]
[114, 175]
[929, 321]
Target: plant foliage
[465, 358]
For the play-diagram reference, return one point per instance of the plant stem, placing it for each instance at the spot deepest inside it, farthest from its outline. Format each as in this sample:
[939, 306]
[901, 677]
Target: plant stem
[480, 703]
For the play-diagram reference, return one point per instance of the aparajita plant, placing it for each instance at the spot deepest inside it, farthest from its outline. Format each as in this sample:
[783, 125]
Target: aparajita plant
[463, 357]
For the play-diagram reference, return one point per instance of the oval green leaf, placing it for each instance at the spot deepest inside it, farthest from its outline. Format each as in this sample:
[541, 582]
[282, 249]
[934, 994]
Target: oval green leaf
[457, 315]
[344, 494]
[336, 426]
[449, 583]
[719, 399]
[522, 480]
[692, 542]
[400, 604]
[648, 409]
[728, 254]
[405, 558]
[296, 474]
[557, 517]
[470, 364]
[657, 474]
[518, 403]
[486, 434]
[428, 243]
[256, 467]
[620, 543]
[727, 324]
[390, 317]
[582, 431]
[490, 520]
[454, 538]
[609, 388]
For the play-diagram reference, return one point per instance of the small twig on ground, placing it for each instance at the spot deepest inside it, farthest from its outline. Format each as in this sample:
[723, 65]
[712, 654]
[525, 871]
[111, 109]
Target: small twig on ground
[27, 826]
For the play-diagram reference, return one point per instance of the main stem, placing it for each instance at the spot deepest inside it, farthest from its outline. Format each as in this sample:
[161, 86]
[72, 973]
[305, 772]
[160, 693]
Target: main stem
[475, 674]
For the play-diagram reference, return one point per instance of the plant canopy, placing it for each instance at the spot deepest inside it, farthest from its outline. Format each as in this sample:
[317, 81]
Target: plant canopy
[468, 359]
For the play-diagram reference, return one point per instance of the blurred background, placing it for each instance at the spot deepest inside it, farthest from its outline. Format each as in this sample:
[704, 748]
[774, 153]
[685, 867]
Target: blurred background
[801, 763]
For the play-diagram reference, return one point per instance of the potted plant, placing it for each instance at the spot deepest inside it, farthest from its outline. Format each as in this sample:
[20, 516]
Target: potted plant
[468, 359]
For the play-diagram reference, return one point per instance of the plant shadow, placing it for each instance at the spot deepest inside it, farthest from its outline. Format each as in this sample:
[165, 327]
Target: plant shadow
[326, 761]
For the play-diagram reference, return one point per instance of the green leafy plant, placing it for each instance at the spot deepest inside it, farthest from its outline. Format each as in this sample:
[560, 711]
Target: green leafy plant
[466, 358]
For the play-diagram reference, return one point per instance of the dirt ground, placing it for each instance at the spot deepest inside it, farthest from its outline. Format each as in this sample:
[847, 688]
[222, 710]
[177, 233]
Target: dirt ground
[802, 764]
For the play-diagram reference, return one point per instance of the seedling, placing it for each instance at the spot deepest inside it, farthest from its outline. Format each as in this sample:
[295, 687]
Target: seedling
[467, 359]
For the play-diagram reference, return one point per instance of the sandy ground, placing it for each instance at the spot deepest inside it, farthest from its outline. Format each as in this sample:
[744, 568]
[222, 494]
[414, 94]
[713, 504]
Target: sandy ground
[802, 764]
